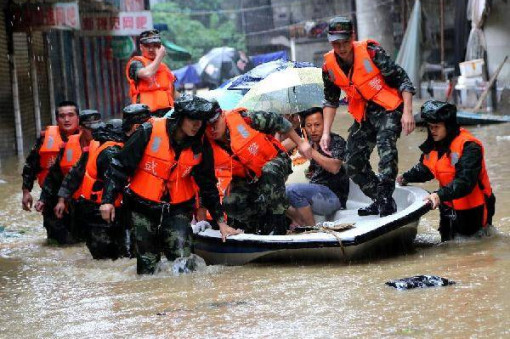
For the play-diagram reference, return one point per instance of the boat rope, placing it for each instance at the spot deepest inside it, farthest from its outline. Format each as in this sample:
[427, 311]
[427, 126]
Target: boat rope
[334, 231]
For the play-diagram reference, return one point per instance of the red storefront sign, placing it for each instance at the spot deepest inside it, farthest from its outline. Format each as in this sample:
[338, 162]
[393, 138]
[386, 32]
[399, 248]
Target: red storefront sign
[41, 16]
[116, 24]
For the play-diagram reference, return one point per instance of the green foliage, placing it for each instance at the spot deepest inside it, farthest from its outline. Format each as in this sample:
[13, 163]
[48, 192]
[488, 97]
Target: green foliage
[197, 36]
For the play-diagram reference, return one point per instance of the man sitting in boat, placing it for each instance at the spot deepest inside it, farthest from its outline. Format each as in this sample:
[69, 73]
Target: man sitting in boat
[252, 167]
[329, 184]
[455, 158]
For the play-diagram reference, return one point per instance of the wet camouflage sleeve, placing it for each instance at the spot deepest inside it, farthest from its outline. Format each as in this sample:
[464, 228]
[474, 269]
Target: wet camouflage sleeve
[134, 67]
[467, 171]
[74, 178]
[418, 173]
[267, 122]
[53, 180]
[32, 166]
[124, 164]
[331, 91]
[206, 180]
[104, 159]
[394, 75]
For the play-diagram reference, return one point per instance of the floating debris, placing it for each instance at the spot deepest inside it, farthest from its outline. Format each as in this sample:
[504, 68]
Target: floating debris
[419, 281]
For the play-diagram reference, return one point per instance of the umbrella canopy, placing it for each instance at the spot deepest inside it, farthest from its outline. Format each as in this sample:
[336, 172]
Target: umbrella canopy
[217, 65]
[248, 80]
[288, 91]
[228, 99]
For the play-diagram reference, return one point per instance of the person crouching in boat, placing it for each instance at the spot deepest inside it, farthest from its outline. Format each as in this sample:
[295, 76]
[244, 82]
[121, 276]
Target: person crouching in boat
[455, 158]
[329, 184]
[165, 159]
[255, 167]
[103, 239]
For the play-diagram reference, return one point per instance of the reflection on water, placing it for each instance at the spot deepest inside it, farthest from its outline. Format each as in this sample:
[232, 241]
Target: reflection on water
[61, 292]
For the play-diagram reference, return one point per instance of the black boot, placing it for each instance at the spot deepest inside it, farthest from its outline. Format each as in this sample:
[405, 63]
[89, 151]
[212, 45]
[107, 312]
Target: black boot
[372, 209]
[387, 205]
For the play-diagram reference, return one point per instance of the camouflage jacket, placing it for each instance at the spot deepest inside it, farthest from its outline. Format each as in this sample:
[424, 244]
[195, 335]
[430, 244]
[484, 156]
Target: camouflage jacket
[53, 180]
[125, 163]
[467, 170]
[32, 166]
[73, 180]
[394, 75]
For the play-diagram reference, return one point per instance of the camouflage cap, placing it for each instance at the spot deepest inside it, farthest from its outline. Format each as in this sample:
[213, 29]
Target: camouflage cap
[150, 37]
[434, 111]
[339, 28]
[194, 107]
[90, 118]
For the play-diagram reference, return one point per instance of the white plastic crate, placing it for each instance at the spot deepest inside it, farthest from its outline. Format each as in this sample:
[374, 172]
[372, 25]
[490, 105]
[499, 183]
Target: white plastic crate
[471, 68]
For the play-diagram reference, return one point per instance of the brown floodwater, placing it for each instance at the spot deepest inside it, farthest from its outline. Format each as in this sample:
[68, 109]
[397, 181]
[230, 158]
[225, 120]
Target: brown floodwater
[48, 291]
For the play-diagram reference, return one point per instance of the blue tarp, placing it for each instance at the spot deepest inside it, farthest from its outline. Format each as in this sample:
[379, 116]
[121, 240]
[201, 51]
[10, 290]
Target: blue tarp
[186, 75]
[263, 58]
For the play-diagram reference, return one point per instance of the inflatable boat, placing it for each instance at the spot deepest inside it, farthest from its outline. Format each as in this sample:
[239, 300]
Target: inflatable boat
[345, 236]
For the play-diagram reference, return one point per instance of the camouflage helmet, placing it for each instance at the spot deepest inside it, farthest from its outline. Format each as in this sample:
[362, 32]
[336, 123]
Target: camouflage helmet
[90, 118]
[140, 112]
[434, 111]
[194, 107]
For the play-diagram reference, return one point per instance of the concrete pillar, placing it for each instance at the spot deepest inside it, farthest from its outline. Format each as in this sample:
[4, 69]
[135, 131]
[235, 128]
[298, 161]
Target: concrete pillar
[375, 22]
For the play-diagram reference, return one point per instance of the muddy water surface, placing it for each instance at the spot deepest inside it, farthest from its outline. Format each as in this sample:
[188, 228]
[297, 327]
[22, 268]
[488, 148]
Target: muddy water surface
[56, 292]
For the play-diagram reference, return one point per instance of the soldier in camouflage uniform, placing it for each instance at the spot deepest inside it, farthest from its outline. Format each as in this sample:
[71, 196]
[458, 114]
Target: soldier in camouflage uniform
[162, 225]
[104, 240]
[68, 124]
[375, 123]
[68, 223]
[258, 204]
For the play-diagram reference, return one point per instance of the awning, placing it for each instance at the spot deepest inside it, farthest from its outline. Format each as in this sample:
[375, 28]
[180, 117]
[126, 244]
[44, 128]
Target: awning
[175, 52]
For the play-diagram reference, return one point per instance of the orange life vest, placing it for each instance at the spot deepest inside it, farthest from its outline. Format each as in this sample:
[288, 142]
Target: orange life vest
[49, 151]
[159, 172]
[364, 83]
[156, 92]
[443, 170]
[225, 167]
[251, 149]
[71, 155]
[90, 178]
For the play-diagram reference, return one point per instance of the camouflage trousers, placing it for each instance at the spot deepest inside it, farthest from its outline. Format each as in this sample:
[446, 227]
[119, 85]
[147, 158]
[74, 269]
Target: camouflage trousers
[104, 240]
[260, 206]
[60, 231]
[168, 231]
[382, 129]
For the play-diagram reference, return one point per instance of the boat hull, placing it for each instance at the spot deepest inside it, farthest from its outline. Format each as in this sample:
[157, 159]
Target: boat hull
[399, 240]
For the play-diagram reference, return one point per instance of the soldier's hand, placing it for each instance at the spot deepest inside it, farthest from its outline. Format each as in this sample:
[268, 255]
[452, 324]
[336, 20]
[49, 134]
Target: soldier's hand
[305, 149]
[401, 181]
[59, 209]
[433, 199]
[226, 231]
[161, 52]
[107, 212]
[27, 200]
[39, 206]
[326, 138]
[407, 121]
